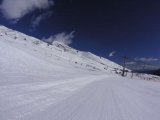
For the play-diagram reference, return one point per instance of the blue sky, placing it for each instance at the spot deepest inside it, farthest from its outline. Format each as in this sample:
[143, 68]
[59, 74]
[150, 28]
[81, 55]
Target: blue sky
[130, 28]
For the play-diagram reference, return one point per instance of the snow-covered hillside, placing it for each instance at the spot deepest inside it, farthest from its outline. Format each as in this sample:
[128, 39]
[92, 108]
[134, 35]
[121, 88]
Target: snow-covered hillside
[39, 81]
[58, 53]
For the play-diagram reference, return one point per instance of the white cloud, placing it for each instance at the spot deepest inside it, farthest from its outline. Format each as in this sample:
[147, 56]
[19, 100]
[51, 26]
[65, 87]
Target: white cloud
[112, 53]
[130, 63]
[41, 17]
[143, 59]
[16, 9]
[150, 67]
[144, 67]
[138, 66]
[61, 37]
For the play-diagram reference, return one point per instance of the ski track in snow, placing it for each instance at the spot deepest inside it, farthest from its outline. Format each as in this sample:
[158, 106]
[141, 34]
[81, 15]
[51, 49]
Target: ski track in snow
[90, 98]
[109, 99]
[20, 100]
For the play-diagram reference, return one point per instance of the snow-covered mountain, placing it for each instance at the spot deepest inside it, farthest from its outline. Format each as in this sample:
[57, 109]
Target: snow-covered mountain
[26, 54]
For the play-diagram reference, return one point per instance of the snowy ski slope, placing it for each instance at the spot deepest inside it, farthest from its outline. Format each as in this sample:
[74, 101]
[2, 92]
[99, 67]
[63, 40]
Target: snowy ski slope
[56, 82]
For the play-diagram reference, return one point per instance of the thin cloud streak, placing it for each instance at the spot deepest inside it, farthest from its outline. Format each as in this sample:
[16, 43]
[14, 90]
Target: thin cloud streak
[36, 21]
[143, 59]
[112, 53]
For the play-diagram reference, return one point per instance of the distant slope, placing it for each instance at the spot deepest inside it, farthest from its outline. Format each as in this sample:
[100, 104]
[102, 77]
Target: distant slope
[57, 54]
[152, 72]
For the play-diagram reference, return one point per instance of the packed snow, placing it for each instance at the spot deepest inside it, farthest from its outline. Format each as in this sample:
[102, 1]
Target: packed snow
[39, 81]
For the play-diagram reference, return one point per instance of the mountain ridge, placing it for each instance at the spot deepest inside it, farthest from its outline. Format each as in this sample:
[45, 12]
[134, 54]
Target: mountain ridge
[56, 50]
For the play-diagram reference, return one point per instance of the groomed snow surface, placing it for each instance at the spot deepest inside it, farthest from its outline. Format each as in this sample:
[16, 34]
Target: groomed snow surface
[90, 98]
[41, 82]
